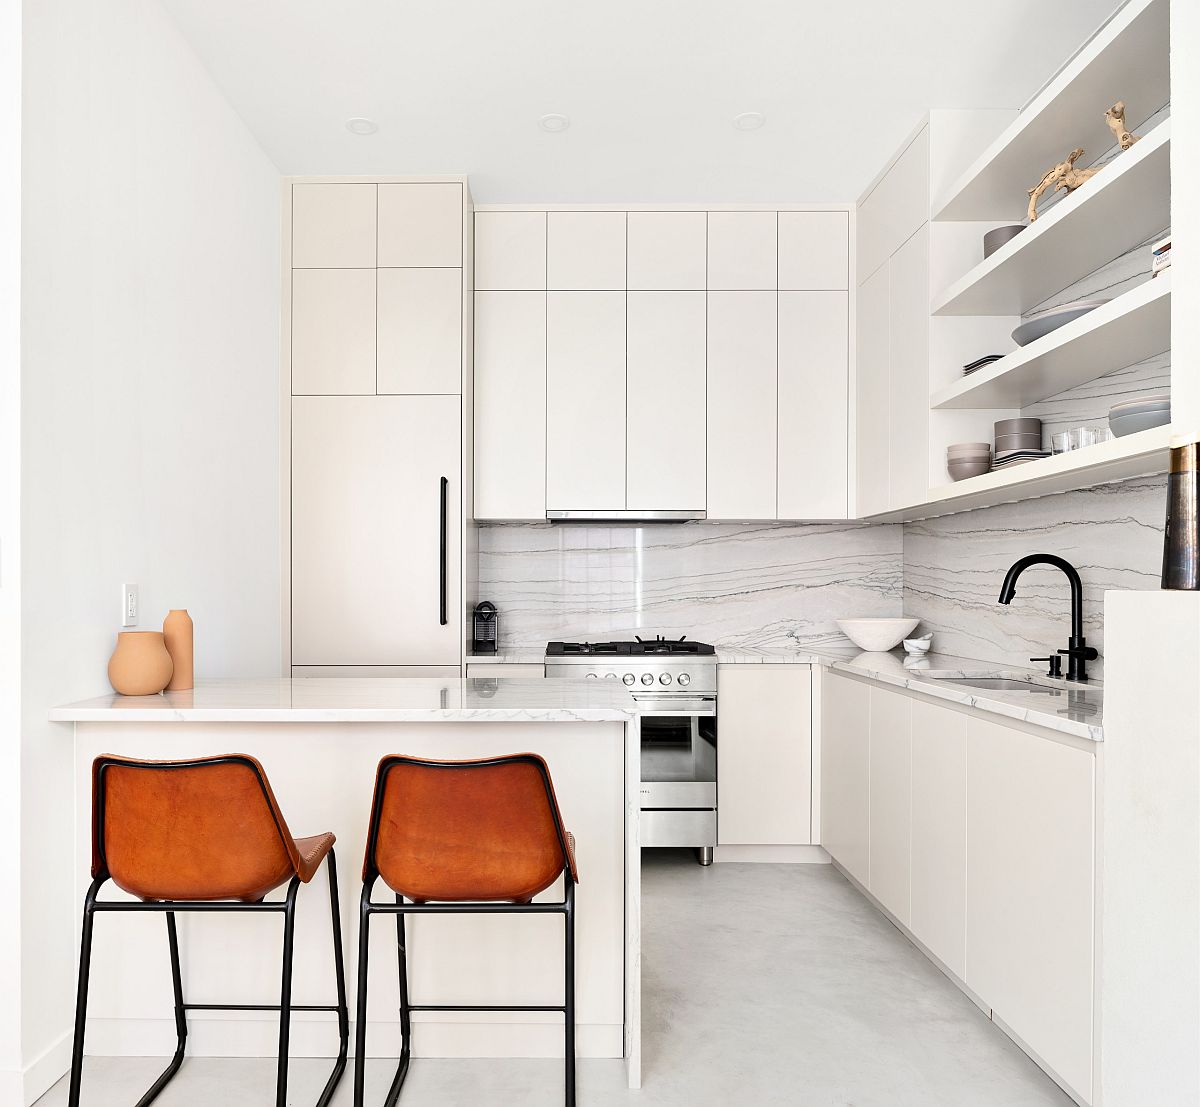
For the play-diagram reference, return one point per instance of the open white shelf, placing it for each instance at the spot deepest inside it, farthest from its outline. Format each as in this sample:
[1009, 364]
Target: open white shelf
[1128, 60]
[1128, 329]
[1125, 203]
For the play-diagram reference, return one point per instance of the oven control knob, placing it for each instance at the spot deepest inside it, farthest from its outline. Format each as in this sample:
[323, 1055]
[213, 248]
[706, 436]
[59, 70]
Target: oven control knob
[683, 680]
[629, 678]
[591, 676]
[647, 678]
[610, 676]
[665, 678]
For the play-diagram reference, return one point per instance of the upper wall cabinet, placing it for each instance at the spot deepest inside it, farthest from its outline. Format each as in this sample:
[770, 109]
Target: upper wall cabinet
[743, 250]
[333, 332]
[895, 207]
[585, 251]
[813, 251]
[667, 250]
[333, 226]
[510, 251]
[420, 225]
[419, 345]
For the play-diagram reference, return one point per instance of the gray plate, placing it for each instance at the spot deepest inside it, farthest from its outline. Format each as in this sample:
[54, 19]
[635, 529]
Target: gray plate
[1041, 325]
[1122, 424]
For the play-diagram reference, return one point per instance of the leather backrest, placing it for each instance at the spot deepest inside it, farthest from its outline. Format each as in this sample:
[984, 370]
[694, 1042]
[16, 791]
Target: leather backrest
[466, 830]
[203, 829]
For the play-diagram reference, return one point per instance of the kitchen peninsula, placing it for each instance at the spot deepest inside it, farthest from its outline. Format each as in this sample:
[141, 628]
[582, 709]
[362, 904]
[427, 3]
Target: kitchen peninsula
[319, 740]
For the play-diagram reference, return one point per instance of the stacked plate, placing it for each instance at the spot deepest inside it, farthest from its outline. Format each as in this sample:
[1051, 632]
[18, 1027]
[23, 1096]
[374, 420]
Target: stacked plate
[968, 459]
[1139, 415]
[1018, 441]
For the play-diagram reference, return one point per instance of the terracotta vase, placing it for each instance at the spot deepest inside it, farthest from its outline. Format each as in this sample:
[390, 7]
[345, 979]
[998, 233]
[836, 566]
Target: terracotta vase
[140, 665]
[177, 633]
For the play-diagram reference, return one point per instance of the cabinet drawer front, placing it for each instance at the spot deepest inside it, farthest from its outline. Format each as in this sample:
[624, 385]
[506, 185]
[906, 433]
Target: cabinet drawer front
[678, 828]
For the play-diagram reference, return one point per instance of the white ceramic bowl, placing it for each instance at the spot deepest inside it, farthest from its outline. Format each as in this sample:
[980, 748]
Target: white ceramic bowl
[917, 645]
[877, 635]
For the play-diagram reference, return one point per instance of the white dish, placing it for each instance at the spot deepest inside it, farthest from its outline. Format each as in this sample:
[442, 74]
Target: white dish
[877, 635]
[918, 645]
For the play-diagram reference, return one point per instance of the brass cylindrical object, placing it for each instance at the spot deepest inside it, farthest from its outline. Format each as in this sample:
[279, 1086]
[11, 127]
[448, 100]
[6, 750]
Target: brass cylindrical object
[1181, 542]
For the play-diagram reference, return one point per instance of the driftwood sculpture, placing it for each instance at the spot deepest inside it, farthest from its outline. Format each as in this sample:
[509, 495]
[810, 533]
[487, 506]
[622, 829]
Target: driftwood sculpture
[1063, 177]
[1115, 118]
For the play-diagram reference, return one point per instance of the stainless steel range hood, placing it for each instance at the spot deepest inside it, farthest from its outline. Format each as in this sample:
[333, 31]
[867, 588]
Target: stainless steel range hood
[626, 516]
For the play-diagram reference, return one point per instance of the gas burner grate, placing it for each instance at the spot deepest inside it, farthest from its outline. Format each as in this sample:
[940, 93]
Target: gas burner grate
[656, 646]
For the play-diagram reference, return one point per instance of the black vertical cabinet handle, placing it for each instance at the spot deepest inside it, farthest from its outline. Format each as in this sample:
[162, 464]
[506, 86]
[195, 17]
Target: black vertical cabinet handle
[442, 566]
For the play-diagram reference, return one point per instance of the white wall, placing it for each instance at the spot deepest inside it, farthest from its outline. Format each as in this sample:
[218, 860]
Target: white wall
[10, 543]
[150, 412]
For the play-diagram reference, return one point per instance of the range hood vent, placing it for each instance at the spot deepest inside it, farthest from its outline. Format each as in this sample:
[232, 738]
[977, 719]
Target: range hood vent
[626, 516]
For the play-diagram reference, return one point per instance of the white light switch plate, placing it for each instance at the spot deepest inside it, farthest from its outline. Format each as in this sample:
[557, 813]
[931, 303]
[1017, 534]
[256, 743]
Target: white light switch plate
[129, 605]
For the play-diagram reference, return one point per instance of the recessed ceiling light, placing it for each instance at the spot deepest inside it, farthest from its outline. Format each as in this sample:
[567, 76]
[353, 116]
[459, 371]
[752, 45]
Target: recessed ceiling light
[360, 126]
[749, 120]
[554, 123]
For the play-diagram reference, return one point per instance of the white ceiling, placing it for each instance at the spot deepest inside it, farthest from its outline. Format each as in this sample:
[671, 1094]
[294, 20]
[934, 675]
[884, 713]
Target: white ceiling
[650, 87]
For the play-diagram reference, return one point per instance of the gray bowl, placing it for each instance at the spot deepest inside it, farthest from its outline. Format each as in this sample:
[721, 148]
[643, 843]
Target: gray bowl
[1025, 441]
[961, 470]
[1017, 426]
[1122, 424]
[998, 236]
[1041, 325]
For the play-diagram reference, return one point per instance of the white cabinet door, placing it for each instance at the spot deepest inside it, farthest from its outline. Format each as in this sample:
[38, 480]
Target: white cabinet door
[420, 331]
[742, 250]
[585, 400]
[585, 251]
[420, 224]
[333, 332]
[908, 442]
[666, 250]
[895, 208]
[890, 817]
[510, 250]
[814, 250]
[1030, 889]
[742, 405]
[367, 566]
[845, 773]
[666, 408]
[939, 832]
[764, 755]
[813, 405]
[873, 370]
[333, 226]
[510, 405]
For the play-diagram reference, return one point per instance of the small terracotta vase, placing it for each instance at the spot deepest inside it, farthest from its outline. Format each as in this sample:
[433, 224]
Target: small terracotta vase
[140, 665]
[177, 633]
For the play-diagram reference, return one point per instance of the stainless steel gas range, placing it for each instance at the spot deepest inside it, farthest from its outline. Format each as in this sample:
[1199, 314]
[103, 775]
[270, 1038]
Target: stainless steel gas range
[674, 682]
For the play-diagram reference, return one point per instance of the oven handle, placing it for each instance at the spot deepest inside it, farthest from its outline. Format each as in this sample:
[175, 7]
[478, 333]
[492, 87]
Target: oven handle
[694, 707]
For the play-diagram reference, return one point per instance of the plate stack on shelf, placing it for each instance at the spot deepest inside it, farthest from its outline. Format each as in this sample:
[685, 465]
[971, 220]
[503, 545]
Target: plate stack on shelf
[979, 363]
[1018, 441]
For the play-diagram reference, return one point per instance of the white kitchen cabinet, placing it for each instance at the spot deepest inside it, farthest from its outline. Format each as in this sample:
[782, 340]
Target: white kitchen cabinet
[665, 413]
[873, 371]
[742, 250]
[764, 755]
[585, 400]
[908, 378]
[845, 773]
[1030, 891]
[814, 250]
[667, 250]
[510, 250]
[419, 331]
[510, 405]
[585, 251]
[814, 375]
[333, 332]
[333, 226]
[420, 224]
[370, 585]
[890, 818]
[939, 832]
[895, 207]
[742, 405]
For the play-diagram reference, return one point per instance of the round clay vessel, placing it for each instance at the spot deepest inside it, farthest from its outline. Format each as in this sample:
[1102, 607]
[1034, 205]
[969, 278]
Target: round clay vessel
[140, 665]
[177, 633]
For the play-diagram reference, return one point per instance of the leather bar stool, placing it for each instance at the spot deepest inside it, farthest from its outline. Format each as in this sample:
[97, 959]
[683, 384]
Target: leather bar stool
[202, 836]
[464, 837]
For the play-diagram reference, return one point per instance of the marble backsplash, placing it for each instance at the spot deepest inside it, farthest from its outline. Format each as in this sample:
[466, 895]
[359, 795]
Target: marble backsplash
[760, 584]
[953, 568]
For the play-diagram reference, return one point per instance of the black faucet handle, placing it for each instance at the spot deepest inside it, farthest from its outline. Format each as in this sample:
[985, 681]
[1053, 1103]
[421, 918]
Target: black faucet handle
[1055, 663]
[1088, 653]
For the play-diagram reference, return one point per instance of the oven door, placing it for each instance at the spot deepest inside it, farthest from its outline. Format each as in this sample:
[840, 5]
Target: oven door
[679, 752]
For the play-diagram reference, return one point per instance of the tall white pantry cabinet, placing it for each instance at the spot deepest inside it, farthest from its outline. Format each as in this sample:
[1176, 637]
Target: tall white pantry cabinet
[686, 359]
[377, 350]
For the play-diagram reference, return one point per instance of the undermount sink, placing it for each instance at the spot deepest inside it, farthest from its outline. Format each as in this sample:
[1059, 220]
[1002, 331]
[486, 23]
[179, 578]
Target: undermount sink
[998, 684]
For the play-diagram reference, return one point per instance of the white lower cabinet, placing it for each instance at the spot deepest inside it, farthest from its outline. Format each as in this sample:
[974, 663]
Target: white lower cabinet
[1030, 891]
[890, 818]
[845, 773]
[764, 755]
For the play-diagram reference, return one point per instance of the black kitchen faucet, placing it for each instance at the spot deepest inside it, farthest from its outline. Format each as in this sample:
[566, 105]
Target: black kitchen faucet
[1078, 652]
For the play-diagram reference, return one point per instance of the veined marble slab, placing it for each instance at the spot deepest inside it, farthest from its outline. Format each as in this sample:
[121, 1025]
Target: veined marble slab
[531, 656]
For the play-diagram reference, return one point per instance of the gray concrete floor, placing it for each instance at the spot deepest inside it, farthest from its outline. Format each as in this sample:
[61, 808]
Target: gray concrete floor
[763, 985]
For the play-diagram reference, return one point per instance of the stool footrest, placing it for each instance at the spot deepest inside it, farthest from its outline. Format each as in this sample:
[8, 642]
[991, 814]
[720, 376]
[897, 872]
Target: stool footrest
[258, 1007]
[484, 1007]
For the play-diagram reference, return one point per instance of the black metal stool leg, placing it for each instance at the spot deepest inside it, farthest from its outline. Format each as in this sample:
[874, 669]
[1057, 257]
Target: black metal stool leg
[285, 994]
[180, 1018]
[360, 1022]
[569, 993]
[339, 968]
[81, 997]
[405, 1014]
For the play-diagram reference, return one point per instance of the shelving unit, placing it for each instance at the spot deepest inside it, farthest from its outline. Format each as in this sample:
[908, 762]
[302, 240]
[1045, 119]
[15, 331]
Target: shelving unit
[1124, 204]
[1128, 329]
[1128, 59]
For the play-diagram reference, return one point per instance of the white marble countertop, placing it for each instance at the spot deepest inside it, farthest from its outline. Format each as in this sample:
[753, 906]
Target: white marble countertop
[509, 657]
[364, 699]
